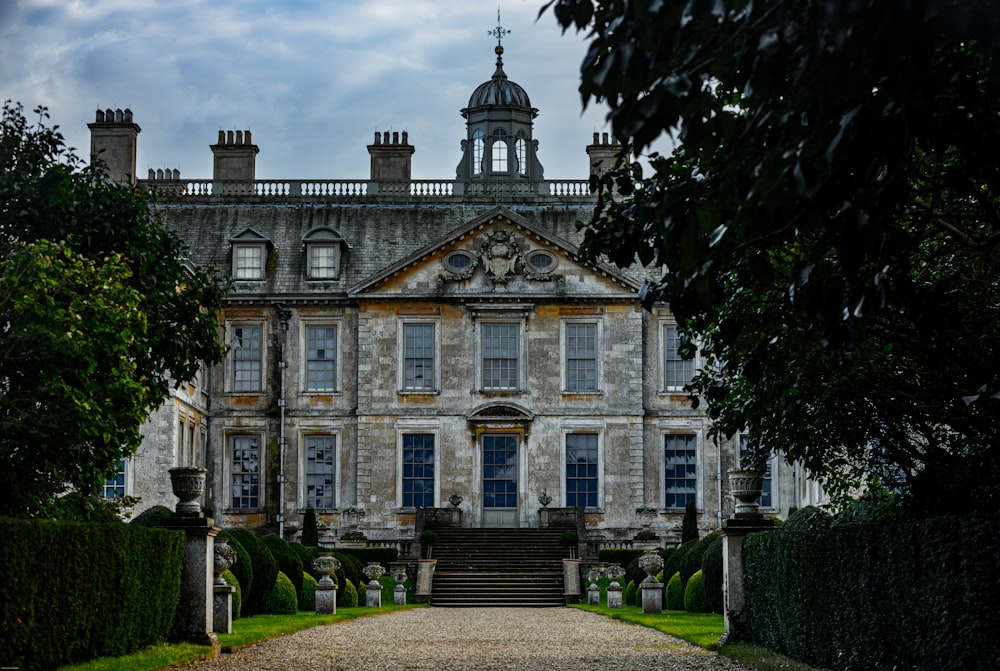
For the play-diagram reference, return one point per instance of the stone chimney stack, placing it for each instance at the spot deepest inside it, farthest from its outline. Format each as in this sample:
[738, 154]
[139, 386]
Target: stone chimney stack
[390, 157]
[603, 153]
[235, 157]
[113, 140]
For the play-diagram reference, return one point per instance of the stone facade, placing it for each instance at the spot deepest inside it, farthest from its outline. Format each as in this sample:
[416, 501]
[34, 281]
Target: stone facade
[394, 342]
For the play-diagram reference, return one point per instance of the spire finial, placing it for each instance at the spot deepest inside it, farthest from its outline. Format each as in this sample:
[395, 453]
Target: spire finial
[499, 32]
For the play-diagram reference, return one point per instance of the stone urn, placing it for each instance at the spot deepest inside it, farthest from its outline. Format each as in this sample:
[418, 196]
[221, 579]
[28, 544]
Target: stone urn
[651, 563]
[399, 592]
[455, 500]
[593, 575]
[746, 486]
[225, 556]
[614, 572]
[545, 499]
[326, 565]
[188, 484]
[373, 572]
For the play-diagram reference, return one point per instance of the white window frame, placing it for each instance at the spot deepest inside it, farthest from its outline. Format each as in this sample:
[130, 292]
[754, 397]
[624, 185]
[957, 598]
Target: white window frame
[306, 324]
[478, 152]
[230, 438]
[417, 425]
[316, 272]
[598, 358]
[521, 368]
[582, 425]
[127, 472]
[240, 270]
[334, 431]
[499, 152]
[231, 357]
[435, 387]
[664, 387]
[682, 428]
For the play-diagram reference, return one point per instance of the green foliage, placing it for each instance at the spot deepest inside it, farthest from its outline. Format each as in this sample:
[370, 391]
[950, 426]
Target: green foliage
[889, 595]
[101, 317]
[628, 595]
[307, 597]
[691, 563]
[63, 617]
[673, 563]
[804, 519]
[265, 571]
[689, 523]
[349, 596]
[675, 593]
[283, 600]
[289, 561]
[853, 223]
[310, 529]
[876, 504]
[349, 571]
[695, 600]
[711, 568]
[151, 517]
[242, 569]
[231, 580]
[307, 556]
[622, 557]
[383, 556]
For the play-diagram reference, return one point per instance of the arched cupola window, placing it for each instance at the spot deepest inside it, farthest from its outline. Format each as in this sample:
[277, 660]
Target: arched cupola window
[478, 149]
[521, 151]
[498, 151]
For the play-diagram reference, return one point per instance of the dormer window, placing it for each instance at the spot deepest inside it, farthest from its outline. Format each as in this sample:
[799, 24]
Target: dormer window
[249, 255]
[323, 246]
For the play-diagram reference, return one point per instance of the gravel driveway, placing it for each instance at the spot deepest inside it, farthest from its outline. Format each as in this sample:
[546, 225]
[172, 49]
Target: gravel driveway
[507, 639]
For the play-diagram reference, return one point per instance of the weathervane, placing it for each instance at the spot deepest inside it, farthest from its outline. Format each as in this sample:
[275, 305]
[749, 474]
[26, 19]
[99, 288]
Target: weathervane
[499, 32]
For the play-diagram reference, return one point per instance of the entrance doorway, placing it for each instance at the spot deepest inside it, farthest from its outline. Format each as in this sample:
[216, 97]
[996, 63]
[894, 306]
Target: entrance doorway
[500, 480]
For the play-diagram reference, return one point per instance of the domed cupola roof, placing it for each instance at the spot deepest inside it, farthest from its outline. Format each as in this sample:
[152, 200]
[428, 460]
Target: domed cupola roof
[500, 91]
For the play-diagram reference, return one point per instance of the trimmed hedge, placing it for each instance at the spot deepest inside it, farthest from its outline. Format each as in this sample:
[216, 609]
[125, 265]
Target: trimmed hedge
[242, 569]
[672, 564]
[368, 555]
[307, 597]
[711, 569]
[919, 594]
[265, 572]
[284, 600]
[73, 591]
[675, 593]
[691, 563]
[349, 598]
[288, 559]
[231, 580]
[628, 596]
[694, 594]
[151, 517]
[310, 529]
[307, 556]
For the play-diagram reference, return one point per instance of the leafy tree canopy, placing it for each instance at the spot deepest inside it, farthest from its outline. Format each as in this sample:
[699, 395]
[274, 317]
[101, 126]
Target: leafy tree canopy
[827, 225]
[99, 314]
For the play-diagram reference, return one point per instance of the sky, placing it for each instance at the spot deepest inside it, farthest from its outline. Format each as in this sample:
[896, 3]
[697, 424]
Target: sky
[313, 80]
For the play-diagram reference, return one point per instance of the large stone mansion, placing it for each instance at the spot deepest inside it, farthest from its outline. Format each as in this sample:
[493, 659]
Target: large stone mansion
[395, 342]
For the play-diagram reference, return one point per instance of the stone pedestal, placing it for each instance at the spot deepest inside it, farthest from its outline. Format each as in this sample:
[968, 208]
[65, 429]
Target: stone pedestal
[373, 595]
[222, 608]
[734, 532]
[594, 595]
[652, 597]
[614, 596]
[399, 595]
[326, 599]
[425, 578]
[571, 580]
[194, 621]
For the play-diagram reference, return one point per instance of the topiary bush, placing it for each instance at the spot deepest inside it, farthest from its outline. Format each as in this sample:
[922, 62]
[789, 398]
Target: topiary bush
[265, 572]
[307, 556]
[230, 579]
[689, 523]
[151, 517]
[694, 594]
[242, 569]
[628, 596]
[675, 593]
[692, 559]
[808, 518]
[288, 559]
[350, 570]
[283, 600]
[672, 564]
[307, 597]
[711, 569]
[349, 597]
[310, 529]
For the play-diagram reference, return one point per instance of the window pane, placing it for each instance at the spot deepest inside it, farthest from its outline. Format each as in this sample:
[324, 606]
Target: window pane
[321, 358]
[581, 469]
[246, 472]
[418, 470]
[246, 353]
[498, 151]
[677, 372]
[680, 471]
[248, 262]
[320, 471]
[114, 487]
[500, 355]
[522, 157]
[581, 357]
[418, 356]
[324, 261]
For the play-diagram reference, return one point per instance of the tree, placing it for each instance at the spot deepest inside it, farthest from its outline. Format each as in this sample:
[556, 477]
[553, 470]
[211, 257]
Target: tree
[99, 315]
[827, 224]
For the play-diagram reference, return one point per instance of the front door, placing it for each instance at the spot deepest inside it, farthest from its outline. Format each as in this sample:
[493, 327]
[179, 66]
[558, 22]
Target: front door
[499, 481]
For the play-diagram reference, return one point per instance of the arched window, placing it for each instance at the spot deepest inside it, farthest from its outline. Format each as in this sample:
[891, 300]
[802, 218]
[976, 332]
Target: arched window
[478, 145]
[521, 150]
[498, 151]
